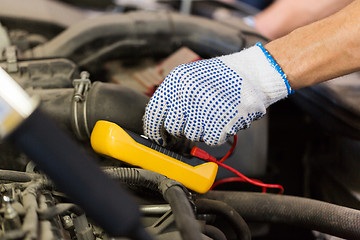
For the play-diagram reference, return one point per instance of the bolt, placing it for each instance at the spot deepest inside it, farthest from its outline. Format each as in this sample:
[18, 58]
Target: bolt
[84, 75]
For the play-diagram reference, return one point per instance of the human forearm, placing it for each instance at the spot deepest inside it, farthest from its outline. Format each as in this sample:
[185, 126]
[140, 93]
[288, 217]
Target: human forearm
[211, 100]
[320, 51]
[283, 16]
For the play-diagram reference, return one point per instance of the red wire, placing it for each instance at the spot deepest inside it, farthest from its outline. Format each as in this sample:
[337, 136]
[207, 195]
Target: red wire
[254, 182]
[197, 152]
[233, 179]
[231, 149]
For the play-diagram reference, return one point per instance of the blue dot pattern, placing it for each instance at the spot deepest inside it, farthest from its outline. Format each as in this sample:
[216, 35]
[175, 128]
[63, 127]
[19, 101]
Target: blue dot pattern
[200, 101]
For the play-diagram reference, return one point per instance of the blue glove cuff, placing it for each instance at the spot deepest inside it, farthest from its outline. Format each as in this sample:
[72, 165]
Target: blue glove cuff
[275, 65]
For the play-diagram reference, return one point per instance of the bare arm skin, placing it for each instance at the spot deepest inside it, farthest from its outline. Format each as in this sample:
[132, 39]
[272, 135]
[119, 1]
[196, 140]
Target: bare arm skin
[283, 16]
[322, 50]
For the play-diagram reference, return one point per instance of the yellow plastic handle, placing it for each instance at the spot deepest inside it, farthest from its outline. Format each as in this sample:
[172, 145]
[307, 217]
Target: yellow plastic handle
[109, 139]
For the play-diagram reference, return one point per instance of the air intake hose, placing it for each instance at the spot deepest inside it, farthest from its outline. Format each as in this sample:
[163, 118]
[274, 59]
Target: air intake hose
[102, 101]
[307, 213]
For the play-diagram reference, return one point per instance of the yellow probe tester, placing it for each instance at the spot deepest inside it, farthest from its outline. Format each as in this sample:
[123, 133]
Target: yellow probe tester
[109, 139]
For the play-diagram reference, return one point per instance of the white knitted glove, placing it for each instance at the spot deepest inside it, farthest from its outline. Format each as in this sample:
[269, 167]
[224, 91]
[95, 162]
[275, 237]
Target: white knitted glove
[211, 100]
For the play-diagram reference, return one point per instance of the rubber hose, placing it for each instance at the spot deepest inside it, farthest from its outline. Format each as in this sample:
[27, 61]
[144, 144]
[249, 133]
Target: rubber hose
[328, 218]
[184, 216]
[163, 31]
[217, 207]
[30, 222]
[172, 191]
[136, 177]
[105, 101]
[45, 226]
[119, 104]
[214, 232]
[16, 176]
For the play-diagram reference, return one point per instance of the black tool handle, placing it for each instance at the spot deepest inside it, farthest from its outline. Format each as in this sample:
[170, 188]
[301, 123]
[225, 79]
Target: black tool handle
[77, 174]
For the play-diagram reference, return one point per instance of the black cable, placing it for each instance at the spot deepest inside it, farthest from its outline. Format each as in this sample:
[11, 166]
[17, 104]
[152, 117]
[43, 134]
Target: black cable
[328, 218]
[217, 207]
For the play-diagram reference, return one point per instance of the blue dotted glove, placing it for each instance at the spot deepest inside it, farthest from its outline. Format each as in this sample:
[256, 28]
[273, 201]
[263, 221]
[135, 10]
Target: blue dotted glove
[211, 100]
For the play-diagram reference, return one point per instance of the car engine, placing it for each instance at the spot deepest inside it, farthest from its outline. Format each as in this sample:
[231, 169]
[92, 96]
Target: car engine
[291, 175]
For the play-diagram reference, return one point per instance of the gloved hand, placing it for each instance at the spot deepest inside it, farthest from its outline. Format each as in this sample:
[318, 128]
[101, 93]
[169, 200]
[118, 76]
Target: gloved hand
[211, 100]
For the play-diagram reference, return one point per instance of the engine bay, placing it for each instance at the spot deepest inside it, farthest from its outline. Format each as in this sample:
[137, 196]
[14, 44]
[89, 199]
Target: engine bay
[291, 175]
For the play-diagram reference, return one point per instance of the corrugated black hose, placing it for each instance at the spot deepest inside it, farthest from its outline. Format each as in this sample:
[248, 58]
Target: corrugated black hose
[136, 177]
[328, 218]
[172, 191]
